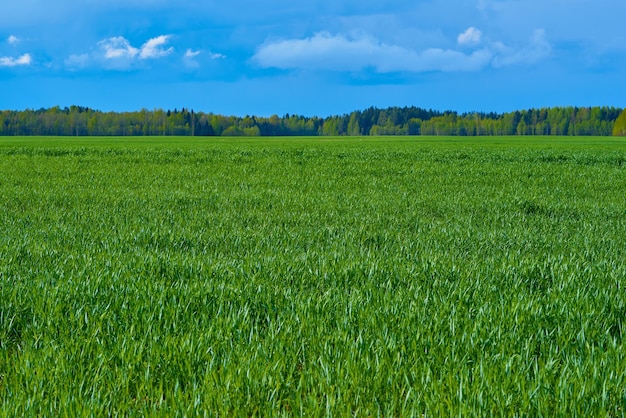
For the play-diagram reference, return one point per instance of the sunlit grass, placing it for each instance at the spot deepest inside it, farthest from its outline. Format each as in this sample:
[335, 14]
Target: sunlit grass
[352, 276]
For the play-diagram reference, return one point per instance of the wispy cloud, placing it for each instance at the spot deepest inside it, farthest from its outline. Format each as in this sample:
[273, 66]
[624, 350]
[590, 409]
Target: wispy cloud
[154, 48]
[13, 40]
[23, 60]
[471, 36]
[190, 59]
[191, 54]
[117, 47]
[216, 56]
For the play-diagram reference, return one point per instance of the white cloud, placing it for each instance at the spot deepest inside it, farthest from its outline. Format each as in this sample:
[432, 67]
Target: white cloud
[117, 47]
[13, 40]
[189, 59]
[471, 36]
[153, 48]
[191, 54]
[326, 52]
[216, 56]
[23, 60]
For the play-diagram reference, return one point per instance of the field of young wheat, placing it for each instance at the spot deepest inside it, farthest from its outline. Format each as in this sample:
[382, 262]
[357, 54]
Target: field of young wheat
[339, 276]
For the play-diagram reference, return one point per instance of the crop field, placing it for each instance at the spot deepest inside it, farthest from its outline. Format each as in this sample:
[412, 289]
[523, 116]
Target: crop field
[313, 276]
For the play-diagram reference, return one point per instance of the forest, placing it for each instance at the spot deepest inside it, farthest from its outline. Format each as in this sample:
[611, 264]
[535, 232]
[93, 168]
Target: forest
[83, 121]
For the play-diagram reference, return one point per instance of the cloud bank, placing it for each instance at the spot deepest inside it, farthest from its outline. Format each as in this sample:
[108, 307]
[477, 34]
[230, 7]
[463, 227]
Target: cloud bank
[340, 52]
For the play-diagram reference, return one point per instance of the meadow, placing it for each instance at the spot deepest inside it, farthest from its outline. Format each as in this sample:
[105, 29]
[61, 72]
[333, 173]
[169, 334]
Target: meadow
[313, 276]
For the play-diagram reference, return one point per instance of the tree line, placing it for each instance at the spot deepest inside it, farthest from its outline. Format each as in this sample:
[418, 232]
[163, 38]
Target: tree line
[83, 121]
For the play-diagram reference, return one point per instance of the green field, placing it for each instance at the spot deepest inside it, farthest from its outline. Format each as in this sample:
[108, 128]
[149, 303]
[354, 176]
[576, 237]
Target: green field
[315, 276]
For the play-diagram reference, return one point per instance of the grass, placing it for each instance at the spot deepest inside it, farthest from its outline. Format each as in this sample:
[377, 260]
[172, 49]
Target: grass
[317, 276]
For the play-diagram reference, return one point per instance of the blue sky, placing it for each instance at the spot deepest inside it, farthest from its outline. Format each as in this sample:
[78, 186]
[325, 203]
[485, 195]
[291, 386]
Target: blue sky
[319, 57]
